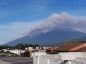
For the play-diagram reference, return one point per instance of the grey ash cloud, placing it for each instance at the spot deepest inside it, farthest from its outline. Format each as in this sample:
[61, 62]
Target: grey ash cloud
[56, 20]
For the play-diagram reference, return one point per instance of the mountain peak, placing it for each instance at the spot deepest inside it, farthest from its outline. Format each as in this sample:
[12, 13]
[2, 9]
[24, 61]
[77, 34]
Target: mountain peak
[51, 37]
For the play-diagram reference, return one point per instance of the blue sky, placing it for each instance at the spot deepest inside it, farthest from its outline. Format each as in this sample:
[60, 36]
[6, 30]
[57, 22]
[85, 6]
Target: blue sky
[31, 10]
[14, 13]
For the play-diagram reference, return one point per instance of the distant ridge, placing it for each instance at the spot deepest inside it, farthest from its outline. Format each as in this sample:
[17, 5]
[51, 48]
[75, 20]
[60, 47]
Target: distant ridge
[54, 37]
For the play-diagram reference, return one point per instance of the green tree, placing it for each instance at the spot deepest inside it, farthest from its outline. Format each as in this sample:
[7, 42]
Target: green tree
[19, 46]
[26, 45]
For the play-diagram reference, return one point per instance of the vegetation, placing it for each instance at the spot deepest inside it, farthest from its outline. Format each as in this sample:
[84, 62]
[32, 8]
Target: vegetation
[6, 47]
[18, 46]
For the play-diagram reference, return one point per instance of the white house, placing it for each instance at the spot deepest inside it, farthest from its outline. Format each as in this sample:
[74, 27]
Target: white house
[65, 58]
[68, 54]
[16, 51]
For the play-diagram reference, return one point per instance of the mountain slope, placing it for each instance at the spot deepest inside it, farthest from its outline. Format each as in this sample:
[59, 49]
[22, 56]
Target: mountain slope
[51, 37]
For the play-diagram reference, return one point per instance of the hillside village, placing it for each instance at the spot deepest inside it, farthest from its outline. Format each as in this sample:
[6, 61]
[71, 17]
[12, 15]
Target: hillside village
[68, 52]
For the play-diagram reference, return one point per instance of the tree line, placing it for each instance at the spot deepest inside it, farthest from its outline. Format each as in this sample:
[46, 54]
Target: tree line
[19, 46]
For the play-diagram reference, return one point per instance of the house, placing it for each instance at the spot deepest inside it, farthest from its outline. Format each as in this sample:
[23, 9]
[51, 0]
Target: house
[70, 47]
[16, 51]
[73, 47]
[66, 54]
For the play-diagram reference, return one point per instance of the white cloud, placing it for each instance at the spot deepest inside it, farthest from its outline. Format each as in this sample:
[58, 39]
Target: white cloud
[12, 31]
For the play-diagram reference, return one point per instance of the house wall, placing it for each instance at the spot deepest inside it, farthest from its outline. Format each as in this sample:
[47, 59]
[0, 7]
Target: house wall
[43, 58]
[16, 51]
[72, 55]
